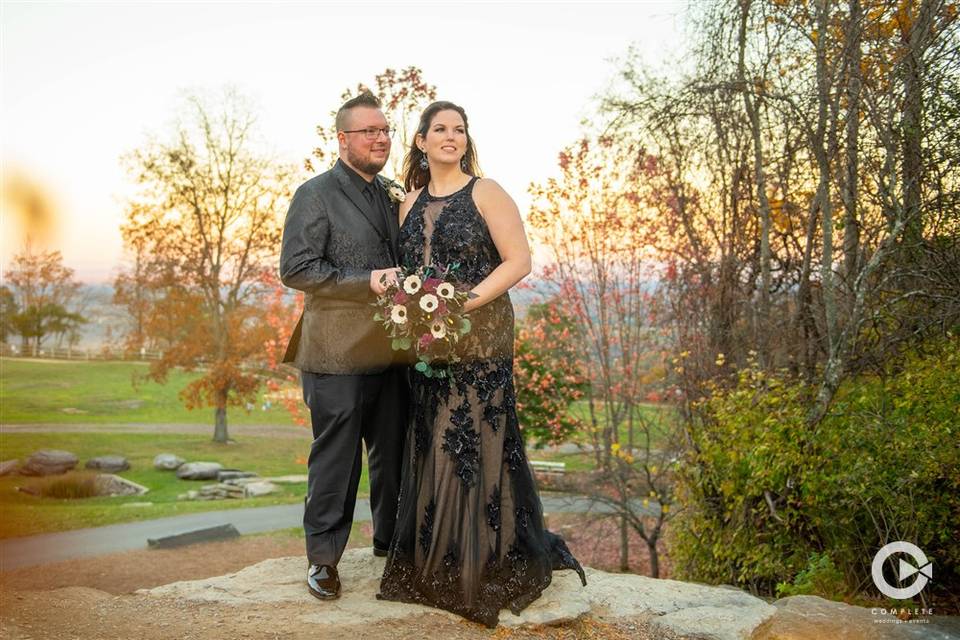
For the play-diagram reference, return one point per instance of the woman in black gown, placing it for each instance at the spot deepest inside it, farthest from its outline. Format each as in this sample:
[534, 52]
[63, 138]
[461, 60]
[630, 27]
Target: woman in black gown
[470, 536]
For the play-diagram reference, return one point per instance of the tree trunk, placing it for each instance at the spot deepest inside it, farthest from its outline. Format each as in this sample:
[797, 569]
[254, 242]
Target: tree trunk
[823, 162]
[654, 557]
[834, 368]
[594, 431]
[607, 428]
[753, 116]
[850, 192]
[911, 127]
[624, 545]
[220, 418]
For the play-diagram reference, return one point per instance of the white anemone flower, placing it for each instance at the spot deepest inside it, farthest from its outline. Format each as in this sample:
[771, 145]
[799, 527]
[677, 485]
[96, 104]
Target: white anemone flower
[438, 330]
[398, 314]
[446, 290]
[411, 284]
[429, 303]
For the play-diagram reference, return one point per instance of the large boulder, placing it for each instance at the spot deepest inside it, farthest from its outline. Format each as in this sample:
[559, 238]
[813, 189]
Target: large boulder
[812, 618]
[49, 462]
[9, 467]
[167, 462]
[234, 474]
[712, 613]
[220, 491]
[257, 489]
[199, 470]
[108, 464]
[111, 485]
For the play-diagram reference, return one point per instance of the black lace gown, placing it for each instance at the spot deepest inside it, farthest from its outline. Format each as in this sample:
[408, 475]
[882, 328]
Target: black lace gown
[469, 536]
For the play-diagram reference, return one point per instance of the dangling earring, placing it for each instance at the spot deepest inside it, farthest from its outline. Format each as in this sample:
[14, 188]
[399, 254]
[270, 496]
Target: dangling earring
[423, 161]
[463, 163]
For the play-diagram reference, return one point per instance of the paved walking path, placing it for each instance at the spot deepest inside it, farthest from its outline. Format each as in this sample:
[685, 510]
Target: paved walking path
[236, 430]
[53, 547]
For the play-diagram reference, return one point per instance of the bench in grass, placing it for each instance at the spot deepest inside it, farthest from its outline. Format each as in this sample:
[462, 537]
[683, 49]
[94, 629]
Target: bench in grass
[547, 467]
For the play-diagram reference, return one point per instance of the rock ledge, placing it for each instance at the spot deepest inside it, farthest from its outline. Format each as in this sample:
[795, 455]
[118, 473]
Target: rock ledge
[687, 609]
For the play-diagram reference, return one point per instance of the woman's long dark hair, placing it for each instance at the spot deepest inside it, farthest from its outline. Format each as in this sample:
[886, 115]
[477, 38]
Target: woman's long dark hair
[413, 176]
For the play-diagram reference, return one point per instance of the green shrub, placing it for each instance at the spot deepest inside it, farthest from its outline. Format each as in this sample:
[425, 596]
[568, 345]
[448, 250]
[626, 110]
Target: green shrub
[820, 578]
[763, 494]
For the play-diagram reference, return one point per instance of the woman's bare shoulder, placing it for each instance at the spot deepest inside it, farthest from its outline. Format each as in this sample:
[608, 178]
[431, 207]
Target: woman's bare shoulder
[407, 203]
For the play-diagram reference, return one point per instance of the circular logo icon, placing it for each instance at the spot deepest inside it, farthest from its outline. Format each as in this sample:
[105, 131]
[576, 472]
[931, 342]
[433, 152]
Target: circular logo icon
[921, 567]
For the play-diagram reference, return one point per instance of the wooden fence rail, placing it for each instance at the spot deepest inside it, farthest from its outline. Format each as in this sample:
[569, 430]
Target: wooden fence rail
[76, 353]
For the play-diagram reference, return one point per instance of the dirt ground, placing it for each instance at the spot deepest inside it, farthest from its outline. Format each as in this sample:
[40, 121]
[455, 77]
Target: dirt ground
[122, 573]
[89, 614]
[92, 598]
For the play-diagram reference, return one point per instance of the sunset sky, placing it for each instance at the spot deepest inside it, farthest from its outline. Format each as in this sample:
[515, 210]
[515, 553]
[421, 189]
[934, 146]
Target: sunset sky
[82, 83]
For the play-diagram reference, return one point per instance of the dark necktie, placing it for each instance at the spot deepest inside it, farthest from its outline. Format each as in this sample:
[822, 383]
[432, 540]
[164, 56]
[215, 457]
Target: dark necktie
[371, 196]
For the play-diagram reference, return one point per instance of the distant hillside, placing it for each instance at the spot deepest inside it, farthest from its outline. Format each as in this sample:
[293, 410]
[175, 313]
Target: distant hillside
[106, 322]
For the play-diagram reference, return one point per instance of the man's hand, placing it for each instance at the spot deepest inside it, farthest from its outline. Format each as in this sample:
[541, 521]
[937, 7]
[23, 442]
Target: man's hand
[381, 278]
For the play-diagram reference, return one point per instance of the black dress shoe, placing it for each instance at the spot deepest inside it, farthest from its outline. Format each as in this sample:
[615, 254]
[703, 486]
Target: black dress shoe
[380, 553]
[323, 581]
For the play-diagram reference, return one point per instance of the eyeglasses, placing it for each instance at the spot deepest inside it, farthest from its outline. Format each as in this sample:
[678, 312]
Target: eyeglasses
[372, 133]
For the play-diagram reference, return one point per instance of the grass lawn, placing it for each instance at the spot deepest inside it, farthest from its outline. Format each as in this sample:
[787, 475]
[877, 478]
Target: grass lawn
[22, 514]
[580, 461]
[77, 391]
[660, 417]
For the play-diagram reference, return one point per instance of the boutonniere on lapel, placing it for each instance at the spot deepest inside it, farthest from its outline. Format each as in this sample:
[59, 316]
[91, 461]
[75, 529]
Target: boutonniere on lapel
[394, 190]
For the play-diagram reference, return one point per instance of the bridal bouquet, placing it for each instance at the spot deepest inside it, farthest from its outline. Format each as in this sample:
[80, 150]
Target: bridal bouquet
[423, 313]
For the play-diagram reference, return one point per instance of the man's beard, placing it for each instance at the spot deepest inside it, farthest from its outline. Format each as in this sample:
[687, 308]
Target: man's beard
[366, 166]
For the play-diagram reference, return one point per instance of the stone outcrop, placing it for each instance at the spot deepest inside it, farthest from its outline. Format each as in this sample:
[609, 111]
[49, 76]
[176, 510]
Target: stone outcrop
[109, 484]
[809, 617]
[687, 609]
[167, 462]
[199, 470]
[670, 609]
[247, 487]
[234, 474]
[48, 462]
[259, 488]
[108, 464]
[220, 491]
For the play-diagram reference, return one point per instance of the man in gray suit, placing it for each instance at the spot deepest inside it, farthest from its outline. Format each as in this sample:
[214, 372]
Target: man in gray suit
[340, 246]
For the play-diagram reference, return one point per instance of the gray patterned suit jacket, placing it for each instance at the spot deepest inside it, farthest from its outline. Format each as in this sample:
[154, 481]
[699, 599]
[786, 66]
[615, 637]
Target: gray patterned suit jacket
[332, 240]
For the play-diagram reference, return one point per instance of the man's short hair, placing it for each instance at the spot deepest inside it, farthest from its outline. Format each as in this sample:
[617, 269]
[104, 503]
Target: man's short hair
[365, 99]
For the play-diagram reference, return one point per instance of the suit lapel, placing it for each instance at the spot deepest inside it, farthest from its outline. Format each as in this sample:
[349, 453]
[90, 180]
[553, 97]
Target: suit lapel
[346, 184]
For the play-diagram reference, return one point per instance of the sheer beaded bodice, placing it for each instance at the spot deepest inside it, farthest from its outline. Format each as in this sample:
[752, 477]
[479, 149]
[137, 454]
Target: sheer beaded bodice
[470, 536]
[443, 230]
